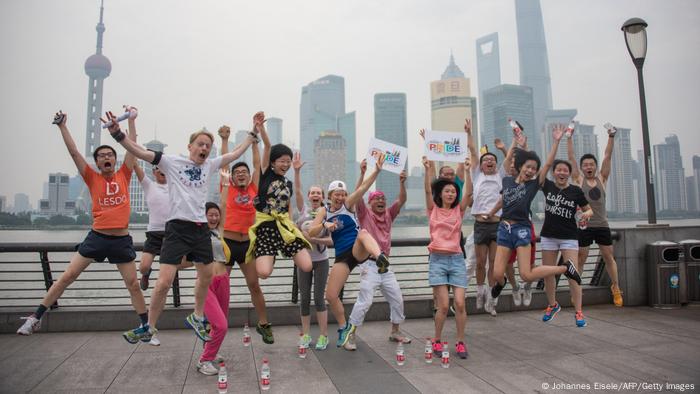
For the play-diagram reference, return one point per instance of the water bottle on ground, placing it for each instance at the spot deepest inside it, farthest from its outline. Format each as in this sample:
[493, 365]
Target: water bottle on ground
[246, 335]
[223, 379]
[265, 375]
[400, 355]
[445, 355]
[570, 129]
[428, 351]
[302, 346]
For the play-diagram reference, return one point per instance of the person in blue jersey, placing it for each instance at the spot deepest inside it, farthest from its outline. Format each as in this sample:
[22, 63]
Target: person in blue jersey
[352, 245]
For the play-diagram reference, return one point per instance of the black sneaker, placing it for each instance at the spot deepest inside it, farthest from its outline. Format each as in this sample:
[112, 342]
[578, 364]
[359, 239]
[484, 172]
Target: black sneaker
[571, 271]
[382, 263]
[498, 288]
[266, 332]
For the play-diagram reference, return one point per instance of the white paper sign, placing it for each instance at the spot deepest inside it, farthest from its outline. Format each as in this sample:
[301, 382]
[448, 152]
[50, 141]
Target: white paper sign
[394, 155]
[446, 146]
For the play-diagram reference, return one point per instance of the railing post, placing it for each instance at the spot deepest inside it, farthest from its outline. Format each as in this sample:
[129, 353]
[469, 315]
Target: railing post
[46, 270]
[176, 290]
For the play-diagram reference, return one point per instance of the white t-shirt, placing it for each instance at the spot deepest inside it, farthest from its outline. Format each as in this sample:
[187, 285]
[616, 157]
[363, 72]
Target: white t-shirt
[158, 204]
[188, 185]
[487, 190]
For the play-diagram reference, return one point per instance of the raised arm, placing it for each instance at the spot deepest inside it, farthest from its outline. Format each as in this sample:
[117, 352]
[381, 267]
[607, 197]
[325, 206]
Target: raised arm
[363, 170]
[467, 193]
[297, 164]
[259, 127]
[130, 146]
[224, 133]
[360, 191]
[225, 178]
[403, 196]
[139, 172]
[557, 133]
[575, 173]
[426, 184]
[607, 158]
[238, 151]
[129, 159]
[470, 140]
[75, 154]
[508, 157]
[256, 163]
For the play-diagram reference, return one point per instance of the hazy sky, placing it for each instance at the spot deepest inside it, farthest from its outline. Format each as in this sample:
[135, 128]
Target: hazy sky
[188, 64]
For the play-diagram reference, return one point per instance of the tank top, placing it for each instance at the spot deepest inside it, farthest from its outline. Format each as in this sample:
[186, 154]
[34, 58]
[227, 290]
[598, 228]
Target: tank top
[596, 198]
[317, 252]
[219, 248]
[346, 230]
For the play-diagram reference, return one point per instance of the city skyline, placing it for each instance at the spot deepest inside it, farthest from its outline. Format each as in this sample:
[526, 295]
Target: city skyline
[180, 96]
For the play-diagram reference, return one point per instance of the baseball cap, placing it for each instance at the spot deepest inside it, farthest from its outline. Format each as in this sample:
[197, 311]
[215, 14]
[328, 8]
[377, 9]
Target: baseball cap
[337, 185]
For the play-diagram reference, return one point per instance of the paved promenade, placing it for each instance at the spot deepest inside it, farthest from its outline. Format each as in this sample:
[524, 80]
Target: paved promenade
[514, 352]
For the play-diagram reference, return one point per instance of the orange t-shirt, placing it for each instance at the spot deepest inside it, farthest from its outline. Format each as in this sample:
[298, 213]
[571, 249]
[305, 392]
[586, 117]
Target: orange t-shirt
[240, 208]
[110, 198]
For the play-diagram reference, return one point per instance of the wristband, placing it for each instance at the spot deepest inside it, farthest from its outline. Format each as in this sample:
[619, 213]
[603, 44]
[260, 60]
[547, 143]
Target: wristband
[118, 135]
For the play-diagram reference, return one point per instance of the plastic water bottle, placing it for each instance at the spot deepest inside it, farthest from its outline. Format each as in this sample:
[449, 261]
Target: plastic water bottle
[302, 346]
[517, 127]
[445, 355]
[400, 355]
[265, 375]
[570, 129]
[246, 335]
[582, 223]
[223, 379]
[428, 351]
[610, 128]
[121, 117]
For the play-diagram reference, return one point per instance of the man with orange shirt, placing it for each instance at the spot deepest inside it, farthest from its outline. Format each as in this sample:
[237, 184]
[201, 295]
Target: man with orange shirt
[109, 238]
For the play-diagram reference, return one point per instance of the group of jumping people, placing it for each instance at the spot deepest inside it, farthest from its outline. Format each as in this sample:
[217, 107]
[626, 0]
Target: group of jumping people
[255, 221]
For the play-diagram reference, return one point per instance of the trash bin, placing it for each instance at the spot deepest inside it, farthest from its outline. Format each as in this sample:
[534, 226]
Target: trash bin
[664, 258]
[691, 250]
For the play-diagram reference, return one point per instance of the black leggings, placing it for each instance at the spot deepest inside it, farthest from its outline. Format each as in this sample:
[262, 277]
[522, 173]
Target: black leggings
[319, 276]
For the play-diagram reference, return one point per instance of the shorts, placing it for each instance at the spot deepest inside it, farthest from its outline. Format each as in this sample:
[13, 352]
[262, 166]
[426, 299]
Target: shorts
[348, 259]
[447, 269]
[513, 236]
[186, 239]
[269, 242]
[601, 236]
[238, 250]
[533, 249]
[154, 242]
[485, 232]
[115, 248]
[556, 244]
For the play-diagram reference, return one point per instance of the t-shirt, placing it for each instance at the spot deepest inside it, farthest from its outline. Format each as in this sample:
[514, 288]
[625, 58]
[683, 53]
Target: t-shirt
[487, 190]
[318, 252]
[274, 192]
[560, 210]
[379, 226]
[110, 198]
[240, 211]
[188, 185]
[156, 195]
[219, 248]
[445, 229]
[346, 229]
[517, 198]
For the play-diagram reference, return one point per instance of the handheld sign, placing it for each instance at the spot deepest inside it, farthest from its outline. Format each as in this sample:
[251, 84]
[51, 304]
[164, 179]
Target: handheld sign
[446, 146]
[394, 155]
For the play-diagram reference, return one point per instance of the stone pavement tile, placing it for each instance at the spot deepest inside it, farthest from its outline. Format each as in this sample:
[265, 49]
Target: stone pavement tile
[96, 370]
[147, 389]
[450, 380]
[674, 327]
[154, 369]
[617, 334]
[510, 376]
[21, 373]
[82, 390]
[106, 342]
[644, 367]
[11, 343]
[572, 339]
[518, 345]
[240, 369]
[614, 314]
[170, 341]
[578, 370]
[680, 353]
[57, 344]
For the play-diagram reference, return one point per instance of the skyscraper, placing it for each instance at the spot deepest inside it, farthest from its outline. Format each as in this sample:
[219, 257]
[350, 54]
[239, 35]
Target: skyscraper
[97, 67]
[691, 191]
[696, 178]
[552, 118]
[670, 176]
[641, 184]
[620, 188]
[22, 203]
[390, 126]
[57, 202]
[488, 66]
[585, 141]
[532, 53]
[329, 154]
[500, 103]
[274, 130]
[247, 156]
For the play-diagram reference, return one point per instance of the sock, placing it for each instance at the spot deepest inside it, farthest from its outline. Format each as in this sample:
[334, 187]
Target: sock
[144, 318]
[40, 311]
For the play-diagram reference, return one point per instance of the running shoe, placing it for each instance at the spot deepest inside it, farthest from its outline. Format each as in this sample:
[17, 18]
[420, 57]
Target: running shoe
[550, 312]
[571, 271]
[498, 288]
[480, 296]
[143, 333]
[207, 368]
[489, 304]
[437, 348]
[382, 263]
[31, 324]
[518, 296]
[527, 293]
[154, 341]
[306, 340]
[350, 344]
[265, 330]
[343, 334]
[617, 295]
[461, 350]
[580, 319]
[322, 342]
[144, 280]
[398, 336]
[198, 326]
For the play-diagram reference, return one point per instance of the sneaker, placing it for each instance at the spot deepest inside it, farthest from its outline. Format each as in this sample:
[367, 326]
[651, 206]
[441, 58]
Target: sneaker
[480, 296]
[343, 334]
[265, 330]
[141, 333]
[527, 294]
[487, 302]
[398, 336]
[382, 263]
[207, 325]
[437, 348]
[322, 342]
[198, 326]
[580, 319]
[144, 280]
[617, 295]
[498, 288]
[518, 296]
[218, 359]
[571, 271]
[492, 309]
[207, 368]
[31, 324]
[306, 340]
[154, 341]
[461, 350]
[350, 344]
[550, 312]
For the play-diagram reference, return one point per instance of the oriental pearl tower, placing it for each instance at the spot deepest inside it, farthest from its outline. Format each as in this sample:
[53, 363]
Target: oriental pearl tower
[97, 67]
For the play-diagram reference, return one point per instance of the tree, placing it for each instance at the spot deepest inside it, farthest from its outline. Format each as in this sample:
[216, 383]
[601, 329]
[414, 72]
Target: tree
[58, 220]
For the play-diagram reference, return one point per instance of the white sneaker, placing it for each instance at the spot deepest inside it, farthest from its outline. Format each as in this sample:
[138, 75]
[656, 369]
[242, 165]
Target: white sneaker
[30, 325]
[154, 341]
[350, 344]
[488, 305]
[494, 302]
[527, 294]
[518, 296]
[207, 368]
[480, 293]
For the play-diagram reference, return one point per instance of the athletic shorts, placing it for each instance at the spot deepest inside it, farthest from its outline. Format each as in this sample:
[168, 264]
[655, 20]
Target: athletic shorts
[485, 232]
[186, 239]
[601, 236]
[238, 250]
[154, 242]
[447, 269]
[115, 248]
[269, 242]
[513, 236]
[348, 259]
[555, 244]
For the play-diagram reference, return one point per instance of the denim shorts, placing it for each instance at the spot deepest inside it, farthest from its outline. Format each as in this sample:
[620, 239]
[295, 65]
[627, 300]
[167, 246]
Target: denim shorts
[447, 269]
[513, 236]
[559, 244]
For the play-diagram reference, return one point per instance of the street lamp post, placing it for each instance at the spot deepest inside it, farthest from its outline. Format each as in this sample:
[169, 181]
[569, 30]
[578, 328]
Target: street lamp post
[636, 41]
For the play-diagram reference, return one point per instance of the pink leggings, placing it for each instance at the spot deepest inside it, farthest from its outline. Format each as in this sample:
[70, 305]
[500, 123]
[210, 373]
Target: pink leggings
[216, 311]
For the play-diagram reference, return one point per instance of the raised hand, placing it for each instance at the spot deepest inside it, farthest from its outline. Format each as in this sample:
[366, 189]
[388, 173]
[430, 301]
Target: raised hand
[114, 128]
[380, 162]
[421, 133]
[133, 111]
[499, 144]
[467, 164]
[225, 176]
[468, 126]
[426, 162]
[363, 166]
[403, 176]
[259, 121]
[521, 140]
[224, 132]
[296, 161]
[558, 132]
[60, 119]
